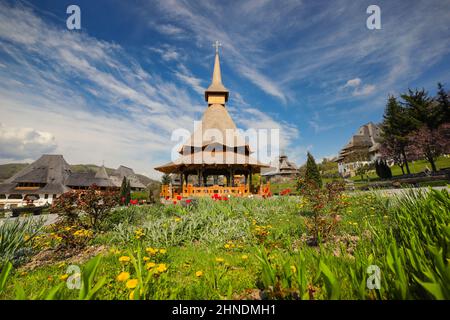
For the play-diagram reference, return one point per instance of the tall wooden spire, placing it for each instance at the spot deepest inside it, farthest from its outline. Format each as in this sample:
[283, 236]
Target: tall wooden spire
[216, 92]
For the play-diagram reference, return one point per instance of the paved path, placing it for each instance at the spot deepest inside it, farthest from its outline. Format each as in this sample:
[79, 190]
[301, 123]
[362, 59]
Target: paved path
[49, 218]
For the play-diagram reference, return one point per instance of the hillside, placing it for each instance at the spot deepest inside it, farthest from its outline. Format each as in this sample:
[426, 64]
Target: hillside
[9, 169]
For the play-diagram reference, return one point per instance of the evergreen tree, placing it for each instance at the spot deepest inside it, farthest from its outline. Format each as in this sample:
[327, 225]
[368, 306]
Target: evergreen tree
[444, 104]
[312, 173]
[420, 109]
[383, 170]
[396, 127]
[123, 191]
[166, 180]
[128, 192]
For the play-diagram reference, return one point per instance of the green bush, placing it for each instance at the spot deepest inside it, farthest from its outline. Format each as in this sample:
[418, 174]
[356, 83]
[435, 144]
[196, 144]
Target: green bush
[15, 239]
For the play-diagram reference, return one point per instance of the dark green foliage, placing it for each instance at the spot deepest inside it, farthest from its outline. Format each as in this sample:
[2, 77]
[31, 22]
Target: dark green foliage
[166, 180]
[396, 126]
[125, 191]
[383, 170]
[312, 173]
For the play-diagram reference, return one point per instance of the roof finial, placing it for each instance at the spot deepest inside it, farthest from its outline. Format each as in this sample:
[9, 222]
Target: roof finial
[217, 44]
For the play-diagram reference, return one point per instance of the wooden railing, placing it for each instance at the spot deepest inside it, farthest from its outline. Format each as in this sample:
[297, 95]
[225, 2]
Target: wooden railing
[191, 191]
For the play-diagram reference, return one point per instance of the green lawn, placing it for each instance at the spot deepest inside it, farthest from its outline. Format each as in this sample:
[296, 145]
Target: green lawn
[248, 248]
[415, 167]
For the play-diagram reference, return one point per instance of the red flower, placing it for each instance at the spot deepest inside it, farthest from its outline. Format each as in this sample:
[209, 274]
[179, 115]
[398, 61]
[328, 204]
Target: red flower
[174, 202]
[224, 198]
[188, 201]
[178, 197]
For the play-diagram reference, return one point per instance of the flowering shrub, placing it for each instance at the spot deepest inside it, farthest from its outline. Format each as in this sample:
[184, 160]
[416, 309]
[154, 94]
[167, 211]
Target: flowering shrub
[325, 205]
[94, 203]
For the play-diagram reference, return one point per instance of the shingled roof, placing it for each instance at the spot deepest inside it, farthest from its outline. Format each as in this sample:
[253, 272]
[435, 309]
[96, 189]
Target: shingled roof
[54, 175]
[48, 168]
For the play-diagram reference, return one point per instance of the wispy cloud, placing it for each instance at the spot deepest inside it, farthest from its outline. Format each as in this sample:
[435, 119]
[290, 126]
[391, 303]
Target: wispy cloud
[134, 111]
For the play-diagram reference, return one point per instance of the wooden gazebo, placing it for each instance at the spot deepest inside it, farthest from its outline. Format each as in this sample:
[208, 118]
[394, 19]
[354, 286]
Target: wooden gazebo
[215, 150]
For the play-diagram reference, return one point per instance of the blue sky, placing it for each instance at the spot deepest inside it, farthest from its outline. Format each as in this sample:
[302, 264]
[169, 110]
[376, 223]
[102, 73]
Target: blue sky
[115, 90]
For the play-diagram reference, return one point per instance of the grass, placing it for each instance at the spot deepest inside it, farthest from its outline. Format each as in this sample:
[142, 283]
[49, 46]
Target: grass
[254, 248]
[415, 167]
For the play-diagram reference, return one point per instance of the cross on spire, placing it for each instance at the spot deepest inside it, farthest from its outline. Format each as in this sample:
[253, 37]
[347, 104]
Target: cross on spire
[216, 45]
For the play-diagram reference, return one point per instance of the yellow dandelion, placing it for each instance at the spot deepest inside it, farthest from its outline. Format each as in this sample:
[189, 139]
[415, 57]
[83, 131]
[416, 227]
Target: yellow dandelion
[131, 296]
[199, 273]
[64, 277]
[177, 219]
[123, 276]
[227, 246]
[146, 258]
[132, 283]
[151, 251]
[162, 267]
[220, 260]
[162, 251]
[150, 265]
[293, 269]
[244, 257]
[124, 259]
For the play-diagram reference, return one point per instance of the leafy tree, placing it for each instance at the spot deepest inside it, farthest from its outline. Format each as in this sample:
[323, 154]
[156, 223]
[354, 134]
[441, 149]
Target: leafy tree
[430, 135]
[166, 179]
[362, 170]
[430, 143]
[395, 129]
[312, 173]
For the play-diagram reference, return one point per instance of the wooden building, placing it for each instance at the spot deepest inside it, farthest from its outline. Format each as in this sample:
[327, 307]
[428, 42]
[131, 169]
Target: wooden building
[216, 150]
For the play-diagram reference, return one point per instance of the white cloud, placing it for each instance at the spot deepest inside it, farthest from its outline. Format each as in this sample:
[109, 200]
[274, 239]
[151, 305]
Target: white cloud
[24, 143]
[358, 89]
[353, 83]
[170, 29]
[364, 91]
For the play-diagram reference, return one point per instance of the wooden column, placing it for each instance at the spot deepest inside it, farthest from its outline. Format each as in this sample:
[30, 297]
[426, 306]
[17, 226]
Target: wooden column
[250, 182]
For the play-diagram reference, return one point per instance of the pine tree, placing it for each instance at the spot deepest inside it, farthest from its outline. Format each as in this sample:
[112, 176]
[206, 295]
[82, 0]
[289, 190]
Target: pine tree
[444, 104]
[396, 127]
[312, 173]
[128, 192]
[123, 191]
